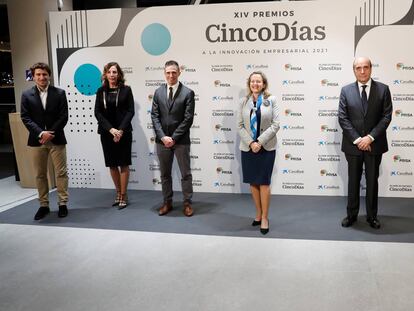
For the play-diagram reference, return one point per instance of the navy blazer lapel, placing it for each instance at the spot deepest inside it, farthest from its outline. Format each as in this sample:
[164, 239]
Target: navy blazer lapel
[36, 98]
[372, 95]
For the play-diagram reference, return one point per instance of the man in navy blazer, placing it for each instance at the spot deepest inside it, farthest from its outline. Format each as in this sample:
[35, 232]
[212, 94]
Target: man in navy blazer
[44, 111]
[172, 115]
[364, 113]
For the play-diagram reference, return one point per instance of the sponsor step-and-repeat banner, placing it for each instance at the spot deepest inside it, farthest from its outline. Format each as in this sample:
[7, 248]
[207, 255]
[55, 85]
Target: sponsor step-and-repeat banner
[306, 59]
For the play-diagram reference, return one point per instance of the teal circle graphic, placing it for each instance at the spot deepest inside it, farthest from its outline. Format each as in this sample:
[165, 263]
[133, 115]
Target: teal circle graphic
[87, 79]
[155, 39]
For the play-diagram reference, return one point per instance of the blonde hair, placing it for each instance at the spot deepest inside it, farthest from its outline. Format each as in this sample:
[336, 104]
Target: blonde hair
[266, 93]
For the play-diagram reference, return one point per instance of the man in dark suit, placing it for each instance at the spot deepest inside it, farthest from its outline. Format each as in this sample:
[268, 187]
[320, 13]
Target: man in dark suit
[172, 116]
[44, 111]
[364, 113]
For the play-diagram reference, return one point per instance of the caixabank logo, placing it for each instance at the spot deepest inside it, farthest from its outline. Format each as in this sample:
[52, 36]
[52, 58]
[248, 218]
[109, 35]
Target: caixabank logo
[323, 187]
[217, 141]
[154, 68]
[292, 82]
[218, 98]
[291, 113]
[326, 82]
[399, 159]
[290, 157]
[287, 127]
[327, 129]
[397, 128]
[401, 114]
[290, 67]
[287, 171]
[256, 66]
[402, 66]
[397, 82]
[190, 83]
[326, 98]
[219, 184]
[401, 173]
[326, 173]
[154, 167]
[326, 143]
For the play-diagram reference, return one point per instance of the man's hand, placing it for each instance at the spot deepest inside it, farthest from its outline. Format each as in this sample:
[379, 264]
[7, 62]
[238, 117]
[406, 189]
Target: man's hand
[168, 141]
[46, 137]
[365, 143]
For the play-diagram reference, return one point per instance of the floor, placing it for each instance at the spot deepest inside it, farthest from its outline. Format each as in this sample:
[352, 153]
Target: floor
[70, 268]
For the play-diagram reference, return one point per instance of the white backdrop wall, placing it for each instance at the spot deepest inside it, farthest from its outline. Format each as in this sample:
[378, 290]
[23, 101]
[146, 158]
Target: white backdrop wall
[305, 48]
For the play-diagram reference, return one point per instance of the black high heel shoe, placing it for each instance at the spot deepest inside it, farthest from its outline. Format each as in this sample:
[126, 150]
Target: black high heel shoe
[256, 222]
[117, 199]
[265, 230]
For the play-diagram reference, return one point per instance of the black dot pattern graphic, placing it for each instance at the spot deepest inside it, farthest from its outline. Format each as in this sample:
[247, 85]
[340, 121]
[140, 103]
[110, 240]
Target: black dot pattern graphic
[81, 173]
[81, 112]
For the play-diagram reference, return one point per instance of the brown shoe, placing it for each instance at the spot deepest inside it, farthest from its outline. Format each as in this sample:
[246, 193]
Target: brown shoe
[188, 210]
[165, 209]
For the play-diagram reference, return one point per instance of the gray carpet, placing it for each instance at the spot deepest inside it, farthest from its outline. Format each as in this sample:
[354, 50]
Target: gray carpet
[291, 217]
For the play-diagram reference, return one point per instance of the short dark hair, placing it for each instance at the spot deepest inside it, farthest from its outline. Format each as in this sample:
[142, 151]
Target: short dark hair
[171, 63]
[42, 66]
[120, 81]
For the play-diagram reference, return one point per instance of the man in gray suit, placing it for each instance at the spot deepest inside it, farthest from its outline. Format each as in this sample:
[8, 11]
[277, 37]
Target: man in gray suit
[364, 113]
[172, 115]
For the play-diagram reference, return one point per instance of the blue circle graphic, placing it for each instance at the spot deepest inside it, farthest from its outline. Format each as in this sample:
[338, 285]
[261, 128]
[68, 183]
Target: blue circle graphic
[155, 39]
[87, 79]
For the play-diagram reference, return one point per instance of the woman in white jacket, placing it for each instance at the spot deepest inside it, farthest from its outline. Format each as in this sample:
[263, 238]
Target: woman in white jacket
[258, 123]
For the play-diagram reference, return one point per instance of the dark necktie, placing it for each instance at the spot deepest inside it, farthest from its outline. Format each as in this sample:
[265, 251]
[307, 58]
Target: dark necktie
[364, 99]
[170, 97]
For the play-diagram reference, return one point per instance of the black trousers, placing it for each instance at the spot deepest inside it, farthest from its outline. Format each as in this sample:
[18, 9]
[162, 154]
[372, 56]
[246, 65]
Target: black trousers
[355, 165]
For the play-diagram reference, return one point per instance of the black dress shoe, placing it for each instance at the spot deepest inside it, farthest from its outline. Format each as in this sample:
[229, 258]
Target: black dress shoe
[348, 221]
[256, 223]
[42, 212]
[265, 230]
[374, 223]
[63, 211]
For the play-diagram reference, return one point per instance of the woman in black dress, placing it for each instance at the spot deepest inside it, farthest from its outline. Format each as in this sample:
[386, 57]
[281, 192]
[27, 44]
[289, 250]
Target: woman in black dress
[258, 123]
[114, 109]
